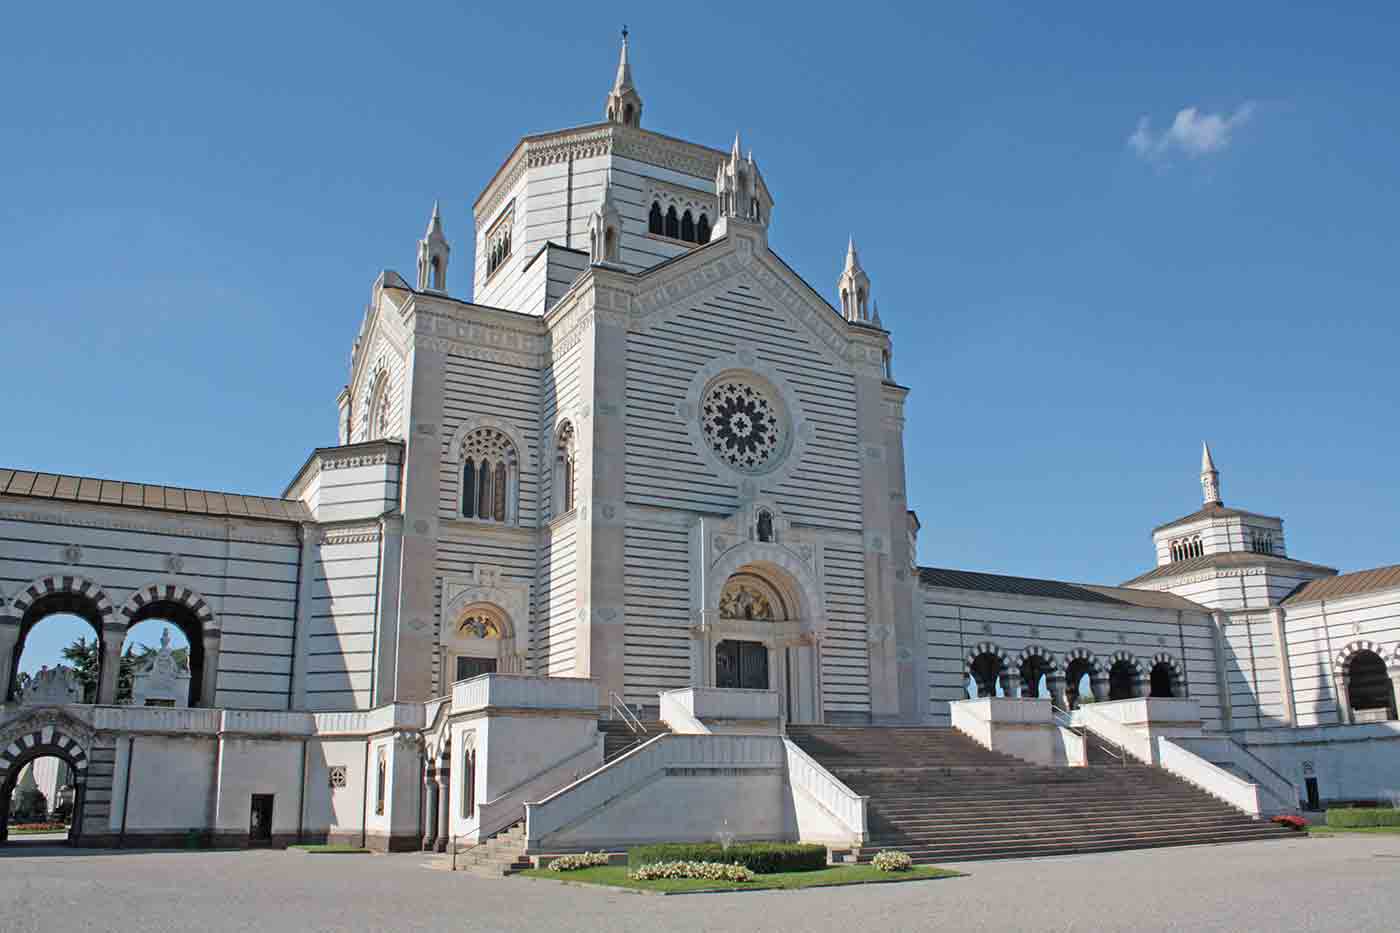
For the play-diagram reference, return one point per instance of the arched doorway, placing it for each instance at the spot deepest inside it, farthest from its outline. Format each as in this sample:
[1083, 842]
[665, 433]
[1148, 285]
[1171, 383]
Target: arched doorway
[1080, 671]
[988, 670]
[1122, 680]
[1037, 669]
[1369, 692]
[481, 641]
[33, 742]
[761, 633]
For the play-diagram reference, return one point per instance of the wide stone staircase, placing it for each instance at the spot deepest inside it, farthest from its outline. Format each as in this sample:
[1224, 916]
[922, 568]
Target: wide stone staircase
[941, 797]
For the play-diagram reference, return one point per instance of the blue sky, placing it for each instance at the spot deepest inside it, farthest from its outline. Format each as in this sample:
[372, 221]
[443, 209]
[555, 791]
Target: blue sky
[194, 202]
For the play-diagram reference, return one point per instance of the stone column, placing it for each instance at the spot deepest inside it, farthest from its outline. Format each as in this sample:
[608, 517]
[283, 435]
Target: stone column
[1011, 683]
[209, 683]
[430, 809]
[113, 636]
[9, 637]
[1058, 694]
[1343, 685]
[444, 809]
[1393, 669]
[1098, 682]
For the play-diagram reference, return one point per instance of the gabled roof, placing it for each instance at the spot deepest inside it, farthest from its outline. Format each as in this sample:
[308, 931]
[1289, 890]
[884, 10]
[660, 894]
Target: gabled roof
[1054, 589]
[61, 487]
[1214, 510]
[1231, 559]
[1347, 584]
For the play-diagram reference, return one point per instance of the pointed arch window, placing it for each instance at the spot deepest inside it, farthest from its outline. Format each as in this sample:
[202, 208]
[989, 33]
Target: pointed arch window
[655, 223]
[688, 227]
[490, 477]
[498, 240]
[702, 230]
[565, 470]
[673, 223]
[378, 418]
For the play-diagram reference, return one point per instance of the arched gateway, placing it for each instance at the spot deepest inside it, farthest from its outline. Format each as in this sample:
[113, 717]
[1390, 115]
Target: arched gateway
[31, 737]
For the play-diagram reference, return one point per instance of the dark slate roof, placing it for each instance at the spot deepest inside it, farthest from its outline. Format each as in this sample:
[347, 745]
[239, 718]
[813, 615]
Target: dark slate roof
[63, 488]
[1231, 559]
[1214, 510]
[1347, 584]
[1053, 589]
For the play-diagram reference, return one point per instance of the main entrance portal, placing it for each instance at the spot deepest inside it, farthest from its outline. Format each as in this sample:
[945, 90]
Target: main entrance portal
[742, 665]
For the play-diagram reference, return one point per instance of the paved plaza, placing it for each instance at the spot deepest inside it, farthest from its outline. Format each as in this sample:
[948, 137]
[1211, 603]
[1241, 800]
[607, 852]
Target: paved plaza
[1336, 883]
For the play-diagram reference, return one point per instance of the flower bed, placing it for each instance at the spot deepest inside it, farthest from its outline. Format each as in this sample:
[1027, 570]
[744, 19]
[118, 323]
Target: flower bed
[892, 860]
[761, 857]
[579, 860]
[1292, 822]
[38, 827]
[709, 871]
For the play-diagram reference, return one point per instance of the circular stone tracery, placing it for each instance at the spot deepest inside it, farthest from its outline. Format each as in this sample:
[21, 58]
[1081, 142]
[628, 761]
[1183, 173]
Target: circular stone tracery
[741, 424]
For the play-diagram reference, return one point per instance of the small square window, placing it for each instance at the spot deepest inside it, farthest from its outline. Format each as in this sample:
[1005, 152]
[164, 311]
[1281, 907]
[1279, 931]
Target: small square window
[337, 776]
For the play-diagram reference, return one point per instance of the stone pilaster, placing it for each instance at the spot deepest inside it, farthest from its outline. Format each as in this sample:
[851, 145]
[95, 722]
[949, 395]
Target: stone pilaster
[430, 809]
[444, 809]
[410, 626]
[113, 636]
[209, 682]
[9, 637]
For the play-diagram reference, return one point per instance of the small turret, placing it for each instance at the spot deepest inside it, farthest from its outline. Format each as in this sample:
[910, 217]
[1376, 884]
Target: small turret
[1210, 477]
[854, 288]
[433, 250]
[605, 229]
[624, 103]
[741, 192]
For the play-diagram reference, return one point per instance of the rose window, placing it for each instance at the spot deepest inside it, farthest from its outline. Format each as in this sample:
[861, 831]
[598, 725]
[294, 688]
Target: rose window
[741, 424]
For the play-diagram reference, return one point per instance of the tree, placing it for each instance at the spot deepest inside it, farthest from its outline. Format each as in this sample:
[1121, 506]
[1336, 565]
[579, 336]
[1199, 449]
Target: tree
[86, 659]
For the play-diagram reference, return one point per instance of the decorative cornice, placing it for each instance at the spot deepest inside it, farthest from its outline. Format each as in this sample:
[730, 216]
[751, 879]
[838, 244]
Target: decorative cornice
[225, 530]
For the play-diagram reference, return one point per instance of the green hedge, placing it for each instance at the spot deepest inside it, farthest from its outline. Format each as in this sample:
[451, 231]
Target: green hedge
[1353, 817]
[761, 857]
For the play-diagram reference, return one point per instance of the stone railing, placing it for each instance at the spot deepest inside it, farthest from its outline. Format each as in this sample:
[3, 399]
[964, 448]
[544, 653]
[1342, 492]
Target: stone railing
[1023, 727]
[184, 721]
[1214, 780]
[595, 791]
[520, 691]
[1277, 793]
[754, 710]
[839, 816]
[509, 805]
[1136, 724]
[268, 723]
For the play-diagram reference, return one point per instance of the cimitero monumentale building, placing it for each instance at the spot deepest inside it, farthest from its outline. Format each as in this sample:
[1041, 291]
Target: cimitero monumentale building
[643, 499]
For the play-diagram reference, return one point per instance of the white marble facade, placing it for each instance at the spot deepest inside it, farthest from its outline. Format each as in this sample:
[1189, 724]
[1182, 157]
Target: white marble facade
[649, 455]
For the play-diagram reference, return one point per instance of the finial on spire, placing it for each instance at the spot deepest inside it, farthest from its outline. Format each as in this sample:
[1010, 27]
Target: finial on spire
[1210, 477]
[852, 260]
[853, 285]
[433, 252]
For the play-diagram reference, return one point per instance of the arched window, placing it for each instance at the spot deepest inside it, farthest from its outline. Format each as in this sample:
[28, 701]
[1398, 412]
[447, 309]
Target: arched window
[565, 470]
[469, 783]
[1261, 542]
[490, 477]
[436, 264]
[1162, 680]
[673, 223]
[702, 230]
[764, 531]
[498, 240]
[380, 779]
[378, 418]
[1122, 681]
[1369, 690]
[688, 227]
[655, 224]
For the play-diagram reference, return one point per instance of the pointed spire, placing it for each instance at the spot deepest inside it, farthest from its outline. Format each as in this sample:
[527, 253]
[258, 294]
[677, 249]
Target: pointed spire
[1210, 477]
[434, 222]
[875, 314]
[852, 260]
[734, 153]
[624, 104]
[433, 252]
[623, 81]
[853, 286]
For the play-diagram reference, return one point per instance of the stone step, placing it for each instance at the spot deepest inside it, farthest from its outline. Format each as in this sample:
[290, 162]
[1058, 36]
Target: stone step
[967, 833]
[943, 855]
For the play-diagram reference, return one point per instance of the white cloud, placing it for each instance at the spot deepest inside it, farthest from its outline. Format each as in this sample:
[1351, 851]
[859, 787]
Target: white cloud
[1192, 132]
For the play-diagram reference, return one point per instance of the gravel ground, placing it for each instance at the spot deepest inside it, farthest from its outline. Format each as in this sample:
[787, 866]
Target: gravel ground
[1339, 883]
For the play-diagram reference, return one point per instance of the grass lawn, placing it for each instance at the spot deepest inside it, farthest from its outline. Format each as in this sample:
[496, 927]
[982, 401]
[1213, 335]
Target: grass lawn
[616, 876]
[1325, 830]
[35, 832]
[330, 850]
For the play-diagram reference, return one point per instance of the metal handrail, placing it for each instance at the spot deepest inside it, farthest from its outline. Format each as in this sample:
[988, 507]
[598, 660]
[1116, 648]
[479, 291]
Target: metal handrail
[1113, 749]
[617, 706]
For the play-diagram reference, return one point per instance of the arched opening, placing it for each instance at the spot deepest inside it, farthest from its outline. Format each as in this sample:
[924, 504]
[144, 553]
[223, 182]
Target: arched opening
[436, 263]
[1369, 691]
[702, 230]
[688, 227]
[168, 612]
[378, 422]
[741, 663]
[988, 672]
[55, 629]
[41, 789]
[480, 642]
[1035, 676]
[655, 223]
[490, 477]
[610, 244]
[1122, 680]
[764, 527]
[627, 114]
[1079, 682]
[469, 781]
[1162, 681]
[565, 470]
[156, 664]
[673, 223]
